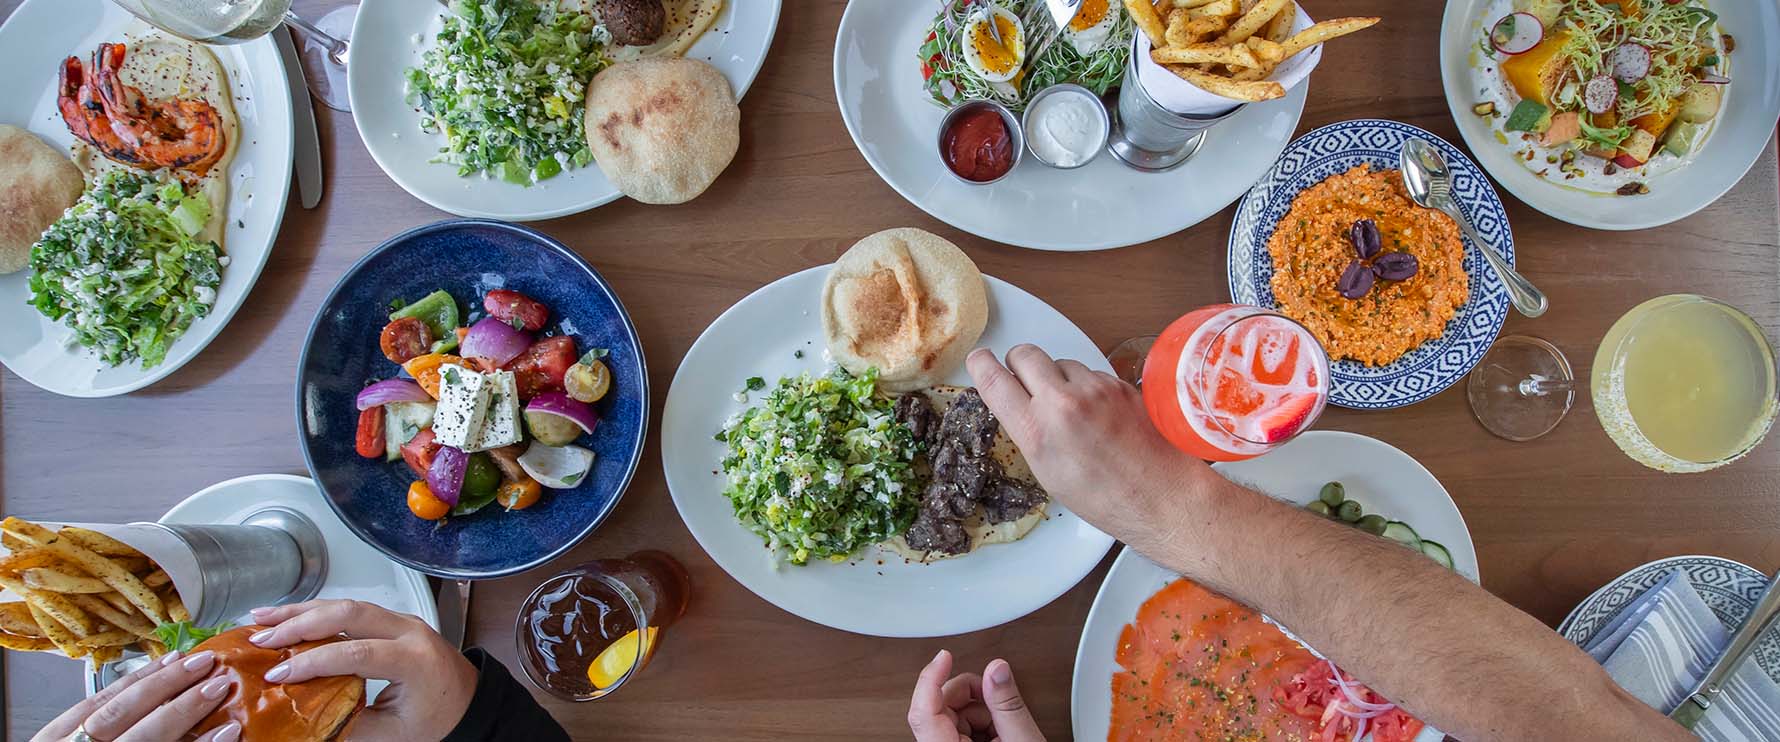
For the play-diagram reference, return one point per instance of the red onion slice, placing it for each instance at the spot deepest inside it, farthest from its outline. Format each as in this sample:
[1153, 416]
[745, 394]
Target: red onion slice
[446, 477]
[560, 404]
[391, 390]
[495, 340]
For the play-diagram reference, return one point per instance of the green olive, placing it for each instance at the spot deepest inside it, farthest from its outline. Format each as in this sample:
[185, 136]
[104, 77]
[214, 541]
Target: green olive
[1319, 507]
[1332, 495]
[1350, 511]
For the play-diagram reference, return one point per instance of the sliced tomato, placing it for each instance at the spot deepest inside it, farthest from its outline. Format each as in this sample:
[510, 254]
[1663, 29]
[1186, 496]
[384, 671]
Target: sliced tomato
[419, 451]
[404, 339]
[515, 308]
[1395, 726]
[541, 367]
[1628, 162]
[368, 440]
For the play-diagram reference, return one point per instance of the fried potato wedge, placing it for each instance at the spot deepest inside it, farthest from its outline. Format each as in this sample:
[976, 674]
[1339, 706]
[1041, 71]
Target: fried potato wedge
[1243, 90]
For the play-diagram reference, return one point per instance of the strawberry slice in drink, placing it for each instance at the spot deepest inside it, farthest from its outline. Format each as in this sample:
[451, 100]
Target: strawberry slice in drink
[1283, 420]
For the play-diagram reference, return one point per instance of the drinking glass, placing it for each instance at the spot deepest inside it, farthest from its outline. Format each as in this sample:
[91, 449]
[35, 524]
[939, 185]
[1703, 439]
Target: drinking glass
[1228, 382]
[324, 52]
[608, 613]
[1682, 383]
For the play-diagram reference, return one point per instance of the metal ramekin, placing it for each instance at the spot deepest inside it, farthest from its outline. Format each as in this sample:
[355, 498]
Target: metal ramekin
[1073, 89]
[1015, 132]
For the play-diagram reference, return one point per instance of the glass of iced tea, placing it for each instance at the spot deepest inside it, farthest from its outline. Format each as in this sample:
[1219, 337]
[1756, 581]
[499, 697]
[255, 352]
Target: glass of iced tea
[1228, 382]
[587, 631]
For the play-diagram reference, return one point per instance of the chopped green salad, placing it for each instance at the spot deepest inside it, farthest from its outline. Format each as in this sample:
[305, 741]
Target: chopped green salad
[124, 268]
[822, 468]
[505, 82]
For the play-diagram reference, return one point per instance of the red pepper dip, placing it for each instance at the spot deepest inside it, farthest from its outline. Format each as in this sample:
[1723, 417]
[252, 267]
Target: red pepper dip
[977, 145]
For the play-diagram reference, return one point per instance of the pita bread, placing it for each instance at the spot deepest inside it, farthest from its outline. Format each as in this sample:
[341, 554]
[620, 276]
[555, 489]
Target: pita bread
[907, 302]
[37, 184]
[662, 129]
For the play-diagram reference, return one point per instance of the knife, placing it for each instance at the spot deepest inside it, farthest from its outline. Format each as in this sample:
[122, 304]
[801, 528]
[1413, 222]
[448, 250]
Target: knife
[1711, 686]
[454, 611]
[308, 142]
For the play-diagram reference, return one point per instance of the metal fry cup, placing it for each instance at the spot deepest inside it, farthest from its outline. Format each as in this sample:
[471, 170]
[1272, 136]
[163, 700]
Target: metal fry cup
[1149, 137]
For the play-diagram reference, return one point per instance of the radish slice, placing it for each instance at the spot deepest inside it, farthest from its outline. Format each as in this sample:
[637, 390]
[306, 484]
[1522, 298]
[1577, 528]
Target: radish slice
[1629, 62]
[1713, 78]
[1517, 33]
[1600, 94]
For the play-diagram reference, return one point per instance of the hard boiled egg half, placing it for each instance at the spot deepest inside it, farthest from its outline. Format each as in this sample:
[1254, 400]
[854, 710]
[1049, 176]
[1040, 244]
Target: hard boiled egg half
[995, 62]
[1092, 26]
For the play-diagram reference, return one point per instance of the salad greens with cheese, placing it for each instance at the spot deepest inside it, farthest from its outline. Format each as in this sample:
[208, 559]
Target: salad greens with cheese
[124, 268]
[822, 468]
[505, 83]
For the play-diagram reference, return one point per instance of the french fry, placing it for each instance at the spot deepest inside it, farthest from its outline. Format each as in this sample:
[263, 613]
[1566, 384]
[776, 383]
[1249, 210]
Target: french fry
[1252, 21]
[25, 557]
[1213, 53]
[58, 634]
[1280, 28]
[117, 577]
[51, 604]
[154, 649]
[1186, 4]
[157, 579]
[130, 622]
[1201, 28]
[57, 581]
[176, 608]
[1216, 9]
[1144, 13]
[15, 618]
[99, 543]
[118, 602]
[103, 655]
[18, 643]
[1268, 52]
[1176, 34]
[1243, 90]
[112, 638]
[1324, 31]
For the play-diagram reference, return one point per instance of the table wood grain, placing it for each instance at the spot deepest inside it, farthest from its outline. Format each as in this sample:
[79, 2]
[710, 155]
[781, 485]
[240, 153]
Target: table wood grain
[1552, 519]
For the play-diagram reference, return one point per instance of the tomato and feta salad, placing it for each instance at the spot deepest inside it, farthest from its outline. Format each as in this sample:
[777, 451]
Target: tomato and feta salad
[484, 411]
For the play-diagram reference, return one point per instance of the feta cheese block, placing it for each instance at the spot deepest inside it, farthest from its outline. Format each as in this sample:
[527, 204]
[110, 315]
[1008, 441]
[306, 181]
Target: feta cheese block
[500, 424]
[463, 403]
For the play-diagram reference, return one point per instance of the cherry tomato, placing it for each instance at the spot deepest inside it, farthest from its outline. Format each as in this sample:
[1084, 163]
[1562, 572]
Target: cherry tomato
[506, 458]
[508, 306]
[419, 451]
[424, 504]
[404, 339]
[520, 494]
[541, 367]
[425, 370]
[587, 382]
[369, 440]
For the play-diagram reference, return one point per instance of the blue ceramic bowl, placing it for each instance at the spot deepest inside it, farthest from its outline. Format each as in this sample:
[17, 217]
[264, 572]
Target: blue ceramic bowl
[341, 356]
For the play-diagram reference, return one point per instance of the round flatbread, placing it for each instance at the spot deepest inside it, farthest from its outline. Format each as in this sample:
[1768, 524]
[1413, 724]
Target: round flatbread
[907, 302]
[662, 129]
[37, 184]
[687, 20]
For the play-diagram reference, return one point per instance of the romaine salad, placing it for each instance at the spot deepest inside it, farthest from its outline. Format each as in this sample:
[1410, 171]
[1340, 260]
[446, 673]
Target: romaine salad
[124, 268]
[454, 416]
[961, 59]
[822, 468]
[505, 82]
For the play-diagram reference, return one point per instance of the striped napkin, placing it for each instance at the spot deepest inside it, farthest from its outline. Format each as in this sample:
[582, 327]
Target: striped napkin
[1663, 643]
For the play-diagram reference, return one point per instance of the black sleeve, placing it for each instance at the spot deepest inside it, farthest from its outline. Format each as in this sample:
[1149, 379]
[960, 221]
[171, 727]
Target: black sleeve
[502, 709]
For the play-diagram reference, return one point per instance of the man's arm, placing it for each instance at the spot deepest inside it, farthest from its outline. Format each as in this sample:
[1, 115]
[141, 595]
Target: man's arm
[1445, 649]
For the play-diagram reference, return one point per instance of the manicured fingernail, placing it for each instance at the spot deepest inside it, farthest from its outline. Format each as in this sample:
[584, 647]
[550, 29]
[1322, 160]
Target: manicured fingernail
[200, 660]
[228, 733]
[215, 688]
[171, 657]
[278, 673]
[258, 612]
[1002, 674]
[936, 656]
[260, 637]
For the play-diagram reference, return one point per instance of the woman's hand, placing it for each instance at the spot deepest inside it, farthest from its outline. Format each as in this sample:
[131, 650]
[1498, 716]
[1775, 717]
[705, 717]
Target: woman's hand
[969, 706]
[430, 683]
[161, 701]
[1087, 436]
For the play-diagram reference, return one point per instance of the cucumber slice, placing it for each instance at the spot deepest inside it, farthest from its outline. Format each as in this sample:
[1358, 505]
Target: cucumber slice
[401, 422]
[1438, 553]
[1401, 533]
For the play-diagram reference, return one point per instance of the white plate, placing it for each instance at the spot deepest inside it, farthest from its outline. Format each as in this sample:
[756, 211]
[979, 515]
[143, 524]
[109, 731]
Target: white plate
[1104, 204]
[760, 336]
[34, 41]
[1751, 105]
[384, 47]
[355, 570]
[1384, 479]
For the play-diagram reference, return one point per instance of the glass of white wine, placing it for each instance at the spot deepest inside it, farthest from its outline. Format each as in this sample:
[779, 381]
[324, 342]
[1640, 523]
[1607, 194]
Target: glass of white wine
[239, 21]
[1682, 383]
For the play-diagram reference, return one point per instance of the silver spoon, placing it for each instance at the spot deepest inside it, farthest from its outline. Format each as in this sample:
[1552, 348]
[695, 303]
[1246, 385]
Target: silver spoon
[1430, 185]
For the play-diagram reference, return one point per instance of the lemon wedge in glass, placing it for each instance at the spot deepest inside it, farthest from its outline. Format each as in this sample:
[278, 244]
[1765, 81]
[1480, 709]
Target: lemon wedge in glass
[616, 660]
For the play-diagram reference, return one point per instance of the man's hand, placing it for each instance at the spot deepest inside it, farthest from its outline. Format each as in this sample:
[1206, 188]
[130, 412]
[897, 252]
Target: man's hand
[1086, 435]
[969, 706]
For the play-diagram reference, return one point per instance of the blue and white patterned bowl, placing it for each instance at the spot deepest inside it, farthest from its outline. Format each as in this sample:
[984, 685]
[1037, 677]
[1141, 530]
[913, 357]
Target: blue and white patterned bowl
[1730, 589]
[1334, 149]
[341, 356]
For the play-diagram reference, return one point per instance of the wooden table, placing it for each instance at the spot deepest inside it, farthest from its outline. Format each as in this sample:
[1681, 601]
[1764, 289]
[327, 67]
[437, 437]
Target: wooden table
[1552, 520]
